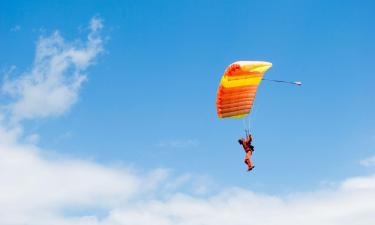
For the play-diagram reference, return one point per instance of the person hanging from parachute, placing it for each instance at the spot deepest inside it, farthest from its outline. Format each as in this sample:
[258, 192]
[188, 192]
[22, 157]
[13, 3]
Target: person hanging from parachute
[236, 94]
[249, 149]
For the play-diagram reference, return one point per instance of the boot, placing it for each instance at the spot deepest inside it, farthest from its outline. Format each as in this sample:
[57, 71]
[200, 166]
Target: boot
[250, 168]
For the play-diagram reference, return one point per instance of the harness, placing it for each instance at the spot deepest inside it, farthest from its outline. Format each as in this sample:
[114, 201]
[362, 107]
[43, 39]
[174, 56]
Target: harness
[247, 146]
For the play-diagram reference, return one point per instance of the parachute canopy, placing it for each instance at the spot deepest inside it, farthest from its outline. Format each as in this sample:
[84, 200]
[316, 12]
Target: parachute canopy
[238, 87]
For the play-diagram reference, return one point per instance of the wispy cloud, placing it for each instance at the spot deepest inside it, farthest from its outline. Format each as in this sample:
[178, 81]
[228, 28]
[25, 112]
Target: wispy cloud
[62, 137]
[368, 162]
[52, 85]
[32, 138]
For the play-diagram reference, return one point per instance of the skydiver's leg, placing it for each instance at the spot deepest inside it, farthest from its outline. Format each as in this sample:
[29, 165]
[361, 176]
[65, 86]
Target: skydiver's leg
[249, 163]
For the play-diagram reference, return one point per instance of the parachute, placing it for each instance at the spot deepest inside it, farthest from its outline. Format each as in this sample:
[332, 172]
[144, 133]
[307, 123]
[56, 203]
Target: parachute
[238, 87]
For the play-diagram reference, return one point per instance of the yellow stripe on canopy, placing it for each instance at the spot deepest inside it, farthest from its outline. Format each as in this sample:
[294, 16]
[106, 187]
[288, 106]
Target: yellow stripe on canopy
[240, 82]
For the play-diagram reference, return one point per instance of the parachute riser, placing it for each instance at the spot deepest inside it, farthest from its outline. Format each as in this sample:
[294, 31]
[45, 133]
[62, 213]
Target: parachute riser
[246, 126]
[247, 132]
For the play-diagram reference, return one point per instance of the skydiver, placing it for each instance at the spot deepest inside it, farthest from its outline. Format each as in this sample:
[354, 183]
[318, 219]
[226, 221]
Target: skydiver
[246, 144]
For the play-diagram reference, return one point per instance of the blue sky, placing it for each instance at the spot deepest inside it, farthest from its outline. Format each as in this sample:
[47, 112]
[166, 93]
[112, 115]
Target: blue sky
[149, 98]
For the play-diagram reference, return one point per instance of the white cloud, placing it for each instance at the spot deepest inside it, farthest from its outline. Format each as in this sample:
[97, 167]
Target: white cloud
[368, 162]
[38, 189]
[51, 86]
[96, 24]
[9, 135]
[33, 184]
[367, 182]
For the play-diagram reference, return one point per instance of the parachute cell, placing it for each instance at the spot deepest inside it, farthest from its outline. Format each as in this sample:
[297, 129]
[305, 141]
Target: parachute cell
[238, 87]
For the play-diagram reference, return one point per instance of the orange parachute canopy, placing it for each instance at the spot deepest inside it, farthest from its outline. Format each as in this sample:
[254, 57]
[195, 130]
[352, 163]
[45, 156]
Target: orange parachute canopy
[238, 87]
